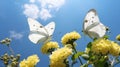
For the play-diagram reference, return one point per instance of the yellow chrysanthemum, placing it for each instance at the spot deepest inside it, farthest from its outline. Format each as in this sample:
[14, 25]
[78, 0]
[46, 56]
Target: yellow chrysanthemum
[58, 64]
[101, 45]
[23, 63]
[118, 37]
[105, 46]
[115, 49]
[30, 62]
[70, 37]
[49, 46]
[58, 57]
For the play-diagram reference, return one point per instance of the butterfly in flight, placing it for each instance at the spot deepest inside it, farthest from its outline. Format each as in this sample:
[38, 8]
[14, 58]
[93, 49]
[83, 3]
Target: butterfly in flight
[39, 33]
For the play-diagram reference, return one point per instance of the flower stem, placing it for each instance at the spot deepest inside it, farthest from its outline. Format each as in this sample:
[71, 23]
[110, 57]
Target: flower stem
[11, 50]
[78, 56]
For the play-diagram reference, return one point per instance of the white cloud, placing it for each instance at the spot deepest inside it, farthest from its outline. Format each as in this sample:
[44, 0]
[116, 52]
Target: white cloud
[31, 10]
[43, 9]
[32, 1]
[52, 4]
[45, 14]
[14, 34]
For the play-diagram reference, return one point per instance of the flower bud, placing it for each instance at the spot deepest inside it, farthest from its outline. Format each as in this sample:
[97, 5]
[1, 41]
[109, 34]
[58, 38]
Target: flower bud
[85, 56]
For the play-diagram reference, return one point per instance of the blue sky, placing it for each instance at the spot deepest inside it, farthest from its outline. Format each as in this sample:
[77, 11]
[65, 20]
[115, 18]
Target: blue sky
[67, 14]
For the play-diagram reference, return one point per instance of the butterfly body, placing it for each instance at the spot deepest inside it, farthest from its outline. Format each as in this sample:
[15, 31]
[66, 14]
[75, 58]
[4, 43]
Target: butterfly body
[40, 33]
[92, 25]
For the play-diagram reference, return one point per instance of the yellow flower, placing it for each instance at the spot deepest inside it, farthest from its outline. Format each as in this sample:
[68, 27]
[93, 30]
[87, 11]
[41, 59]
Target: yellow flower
[115, 49]
[58, 57]
[58, 64]
[105, 46]
[118, 37]
[23, 63]
[70, 37]
[30, 62]
[101, 46]
[47, 47]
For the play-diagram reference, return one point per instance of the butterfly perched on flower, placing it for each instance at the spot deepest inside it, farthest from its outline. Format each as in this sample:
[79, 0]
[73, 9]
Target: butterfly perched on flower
[92, 25]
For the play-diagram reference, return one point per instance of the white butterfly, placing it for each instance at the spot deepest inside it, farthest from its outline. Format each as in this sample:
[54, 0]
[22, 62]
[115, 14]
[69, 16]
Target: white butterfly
[40, 33]
[92, 25]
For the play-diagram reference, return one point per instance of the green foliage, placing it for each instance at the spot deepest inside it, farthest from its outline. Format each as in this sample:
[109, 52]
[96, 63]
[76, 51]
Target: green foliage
[101, 63]
[75, 56]
[85, 56]
[84, 65]
[106, 37]
[89, 45]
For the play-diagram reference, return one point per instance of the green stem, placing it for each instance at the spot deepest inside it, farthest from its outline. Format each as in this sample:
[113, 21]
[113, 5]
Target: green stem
[11, 50]
[78, 56]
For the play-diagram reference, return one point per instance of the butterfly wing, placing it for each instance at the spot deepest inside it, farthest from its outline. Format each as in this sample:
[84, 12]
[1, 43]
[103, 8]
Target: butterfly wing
[50, 28]
[102, 30]
[37, 31]
[36, 26]
[97, 31]
[36, 37]
[90, 18]
[92, 26]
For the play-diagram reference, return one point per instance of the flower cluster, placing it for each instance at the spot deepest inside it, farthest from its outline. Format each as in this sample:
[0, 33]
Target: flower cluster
[115, 49]
[10, 60]
[58, 57]
[97, 52]
[70, 37]
[31, 61]
[101, 46]
[6, 41]
[49, 46]
[105, 46]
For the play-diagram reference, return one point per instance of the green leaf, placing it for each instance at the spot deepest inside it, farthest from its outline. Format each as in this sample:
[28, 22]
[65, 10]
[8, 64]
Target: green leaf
[75, 56]
[84, 65]
[92, 58]
[85, 56]
[94, 39]
[101, 63]
[89, 45]
[106, 37]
